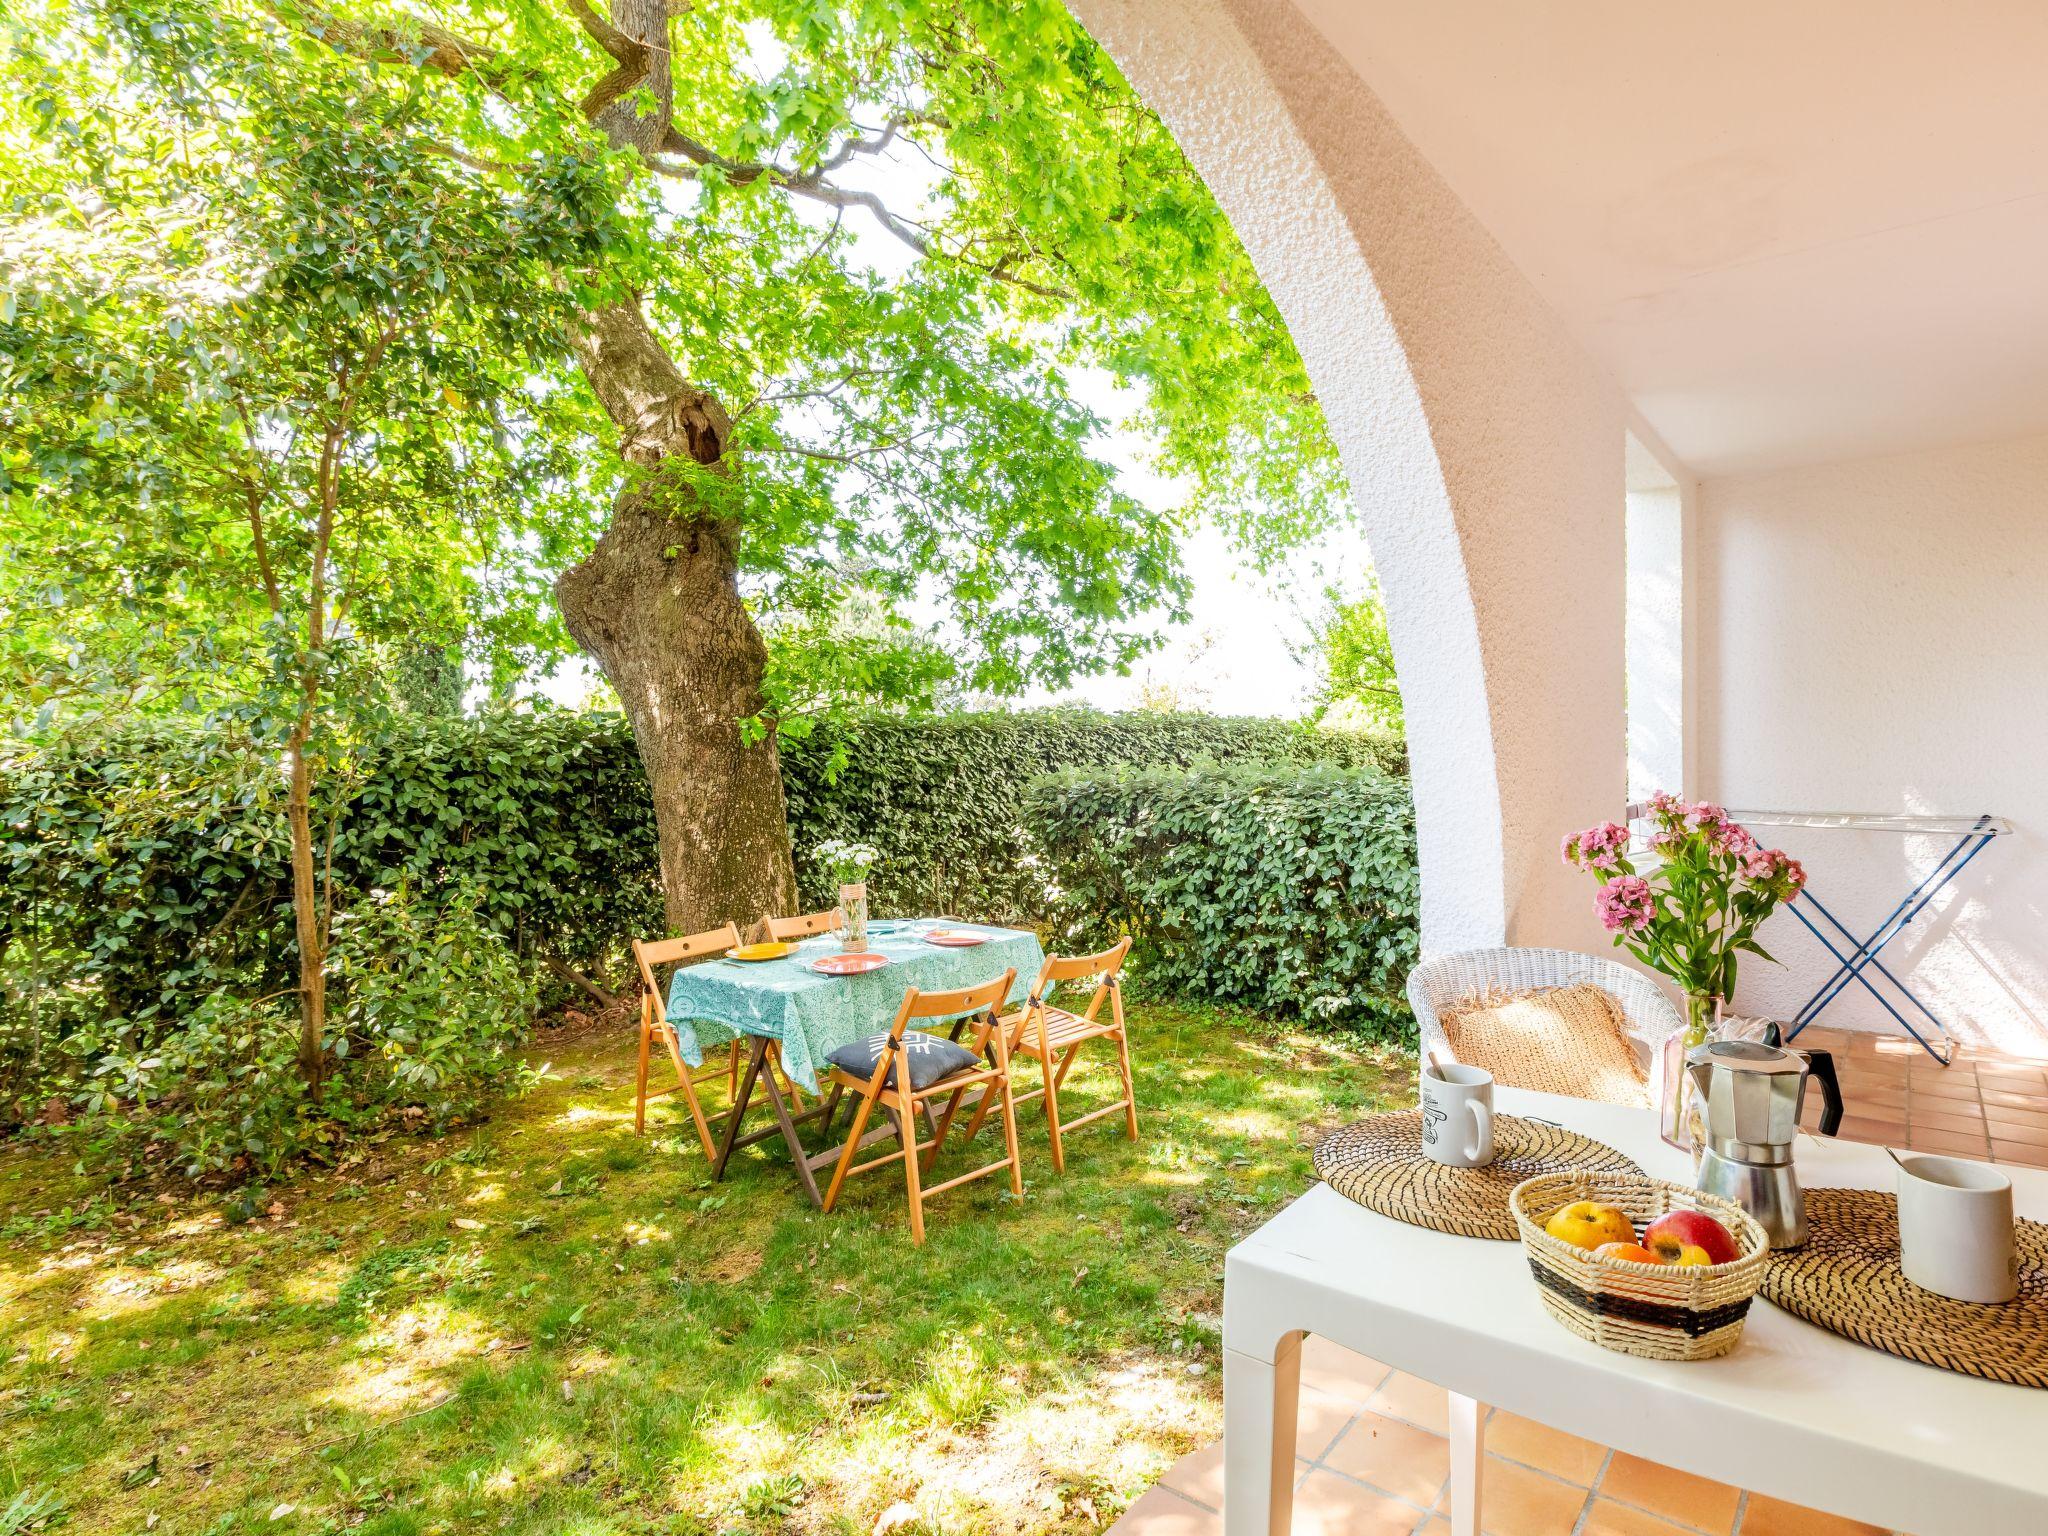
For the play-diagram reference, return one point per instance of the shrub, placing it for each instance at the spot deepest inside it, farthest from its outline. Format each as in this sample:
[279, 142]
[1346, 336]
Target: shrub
[430, 1007]
[1287, 890]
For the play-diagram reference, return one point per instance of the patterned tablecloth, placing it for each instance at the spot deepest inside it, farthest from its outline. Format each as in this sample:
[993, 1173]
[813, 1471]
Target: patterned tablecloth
[813, 1015]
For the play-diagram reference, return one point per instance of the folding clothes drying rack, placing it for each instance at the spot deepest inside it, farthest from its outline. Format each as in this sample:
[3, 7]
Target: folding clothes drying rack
[1972, 835]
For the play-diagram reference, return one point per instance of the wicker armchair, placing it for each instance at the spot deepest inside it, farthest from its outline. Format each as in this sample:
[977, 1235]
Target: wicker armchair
[1437, 983]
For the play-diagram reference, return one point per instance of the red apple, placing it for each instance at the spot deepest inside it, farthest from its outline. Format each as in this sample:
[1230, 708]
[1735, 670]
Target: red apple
[1670, 1236]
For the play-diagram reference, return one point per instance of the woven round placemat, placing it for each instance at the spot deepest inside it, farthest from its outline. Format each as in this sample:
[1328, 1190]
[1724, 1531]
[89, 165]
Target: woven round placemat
[1379, 1162]
[1847, 1280]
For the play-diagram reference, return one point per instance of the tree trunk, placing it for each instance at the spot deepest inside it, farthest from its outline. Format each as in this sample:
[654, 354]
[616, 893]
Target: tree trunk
[306, 922]
[657, 605]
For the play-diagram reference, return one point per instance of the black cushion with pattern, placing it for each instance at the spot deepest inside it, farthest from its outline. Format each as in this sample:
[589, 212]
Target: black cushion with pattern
[931, 1057]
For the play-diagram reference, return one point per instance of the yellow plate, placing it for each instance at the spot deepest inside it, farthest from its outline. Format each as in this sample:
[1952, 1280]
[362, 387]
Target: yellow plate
[760, 951]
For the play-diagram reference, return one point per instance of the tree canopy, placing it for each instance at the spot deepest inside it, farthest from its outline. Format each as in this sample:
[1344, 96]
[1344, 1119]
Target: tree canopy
[884, 234]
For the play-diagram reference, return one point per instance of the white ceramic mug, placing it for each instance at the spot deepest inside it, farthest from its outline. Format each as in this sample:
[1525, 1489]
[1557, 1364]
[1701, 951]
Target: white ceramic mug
[1956, 1229]
[1457, 1114]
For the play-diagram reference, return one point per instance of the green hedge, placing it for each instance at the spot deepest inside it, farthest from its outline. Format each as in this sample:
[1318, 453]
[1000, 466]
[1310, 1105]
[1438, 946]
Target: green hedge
[943, 798]
[1289, 891]
[152, 866]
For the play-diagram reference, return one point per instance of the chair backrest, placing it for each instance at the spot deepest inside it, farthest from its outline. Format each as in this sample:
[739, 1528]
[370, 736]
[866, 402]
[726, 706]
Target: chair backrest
[1442, 980]
[986, 998]
[1105, 965]
[694, 946]
[783, 929]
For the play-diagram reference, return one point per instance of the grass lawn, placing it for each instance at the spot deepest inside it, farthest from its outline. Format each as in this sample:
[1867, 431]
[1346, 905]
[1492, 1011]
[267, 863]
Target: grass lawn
[548, 1324]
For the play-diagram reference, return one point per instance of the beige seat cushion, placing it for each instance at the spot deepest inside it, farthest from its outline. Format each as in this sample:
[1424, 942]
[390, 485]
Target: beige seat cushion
[1565, 1040]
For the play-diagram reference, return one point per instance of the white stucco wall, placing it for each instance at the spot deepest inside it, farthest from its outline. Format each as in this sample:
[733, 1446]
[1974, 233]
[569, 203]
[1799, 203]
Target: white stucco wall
[1484, 447]
[1875, 637]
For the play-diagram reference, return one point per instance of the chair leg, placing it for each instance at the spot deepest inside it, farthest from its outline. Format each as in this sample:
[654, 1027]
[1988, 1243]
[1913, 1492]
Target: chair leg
[860, 1123]
[1010, 1136]
[906, 1121]
[732, 1069]
[1123, 1061]
[689, 1090]
[640, 1085]
[1052, 1110]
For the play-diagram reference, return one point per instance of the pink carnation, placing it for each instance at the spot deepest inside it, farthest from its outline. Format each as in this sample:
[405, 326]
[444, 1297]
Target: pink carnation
[1598, 847]
[1704, 813]
[1627, 903]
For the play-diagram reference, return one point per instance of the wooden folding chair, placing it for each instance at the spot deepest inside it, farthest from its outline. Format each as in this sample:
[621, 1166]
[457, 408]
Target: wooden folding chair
[1053, 1038]
[784, 930]
[890, 1084]
[654, 1024]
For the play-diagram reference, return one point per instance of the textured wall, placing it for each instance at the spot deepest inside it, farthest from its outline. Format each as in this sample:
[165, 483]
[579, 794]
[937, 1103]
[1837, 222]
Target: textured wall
[1874, 638]
[1484, 447]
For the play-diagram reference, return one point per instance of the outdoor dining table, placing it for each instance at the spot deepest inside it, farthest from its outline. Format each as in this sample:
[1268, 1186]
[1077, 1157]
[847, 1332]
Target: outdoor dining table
[807, 1015]
[1794, 1412]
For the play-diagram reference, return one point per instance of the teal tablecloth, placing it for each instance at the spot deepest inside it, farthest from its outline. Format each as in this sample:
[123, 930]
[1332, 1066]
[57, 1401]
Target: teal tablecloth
[813, 1015]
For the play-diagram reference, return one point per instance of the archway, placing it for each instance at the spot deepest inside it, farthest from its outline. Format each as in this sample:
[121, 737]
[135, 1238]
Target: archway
[1483, 446]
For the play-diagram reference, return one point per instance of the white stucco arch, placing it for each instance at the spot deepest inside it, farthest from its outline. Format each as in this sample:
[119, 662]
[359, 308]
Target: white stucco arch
[1484, 447]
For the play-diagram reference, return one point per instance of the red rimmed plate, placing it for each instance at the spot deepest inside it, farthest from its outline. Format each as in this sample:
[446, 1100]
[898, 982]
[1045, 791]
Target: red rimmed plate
[848, 965]
[955, 938]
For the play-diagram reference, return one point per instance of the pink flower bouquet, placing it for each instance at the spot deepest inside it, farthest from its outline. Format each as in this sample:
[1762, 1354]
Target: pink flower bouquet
[1700, 905]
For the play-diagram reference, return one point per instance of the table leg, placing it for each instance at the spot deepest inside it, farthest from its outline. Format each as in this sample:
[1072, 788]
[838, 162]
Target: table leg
[734, 1115]
[1260, 1403]
[1468, 1455]
[796, 1147]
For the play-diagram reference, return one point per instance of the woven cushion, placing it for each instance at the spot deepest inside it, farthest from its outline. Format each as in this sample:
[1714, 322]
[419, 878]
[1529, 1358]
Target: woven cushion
[931, 1057]
[1564, 1040]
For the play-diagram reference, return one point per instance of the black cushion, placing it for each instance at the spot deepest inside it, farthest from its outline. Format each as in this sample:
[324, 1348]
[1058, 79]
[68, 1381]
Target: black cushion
[931, 1057]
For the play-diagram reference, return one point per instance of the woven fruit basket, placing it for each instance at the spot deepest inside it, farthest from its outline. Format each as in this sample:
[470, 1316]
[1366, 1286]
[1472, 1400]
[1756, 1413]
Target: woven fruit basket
[1657, 1311]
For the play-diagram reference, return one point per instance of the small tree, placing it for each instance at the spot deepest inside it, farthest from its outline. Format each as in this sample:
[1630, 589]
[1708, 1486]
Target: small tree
[268, 371]
[1355, 658]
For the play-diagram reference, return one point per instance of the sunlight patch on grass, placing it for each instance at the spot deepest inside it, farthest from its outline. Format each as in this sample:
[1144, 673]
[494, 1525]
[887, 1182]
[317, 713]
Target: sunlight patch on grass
[485, 1194]
[583, 1116]
[123, 1292]
[638, 1234]
[404, 1360]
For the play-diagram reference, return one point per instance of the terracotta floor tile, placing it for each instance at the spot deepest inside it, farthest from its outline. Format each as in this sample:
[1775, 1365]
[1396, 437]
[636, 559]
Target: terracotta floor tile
[1869, 1091]
[2019, 1152]
[1328, 1505]
[1968, 1119]
[1419, 1402]
[1607, 1518]
[1394, 1457]
[1517, 1502]
[1865, 1128]
[1545, 1449]
[1339, 1371]
[1321, 1419]
[1953, 1142]
[1679, 1496]
[1774, 1517]
[1939, 1084]
[2017, 1114]
[2003, 1096]
[1162, 1512]
[1199, 1475]
[2013, 1080]
[2032, 1135]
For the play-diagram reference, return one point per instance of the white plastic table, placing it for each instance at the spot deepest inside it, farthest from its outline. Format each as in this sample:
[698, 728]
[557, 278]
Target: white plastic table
[1794, 1411]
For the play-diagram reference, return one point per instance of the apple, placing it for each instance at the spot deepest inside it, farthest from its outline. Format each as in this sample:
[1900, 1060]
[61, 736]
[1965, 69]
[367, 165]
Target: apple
[1690, 1237]
[1588, 1224]
[1633, 1253]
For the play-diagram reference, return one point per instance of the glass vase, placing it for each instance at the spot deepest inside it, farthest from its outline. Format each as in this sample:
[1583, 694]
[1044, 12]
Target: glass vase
[1678, 1112]
[853, 918]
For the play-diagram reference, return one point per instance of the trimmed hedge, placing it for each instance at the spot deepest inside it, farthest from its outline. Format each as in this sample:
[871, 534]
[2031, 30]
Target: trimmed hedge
[1285, 890]
[153, 865]
[944, 797]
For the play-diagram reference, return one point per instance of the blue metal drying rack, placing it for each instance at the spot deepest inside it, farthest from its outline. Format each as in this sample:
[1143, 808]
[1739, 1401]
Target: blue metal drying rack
[1972, 835]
